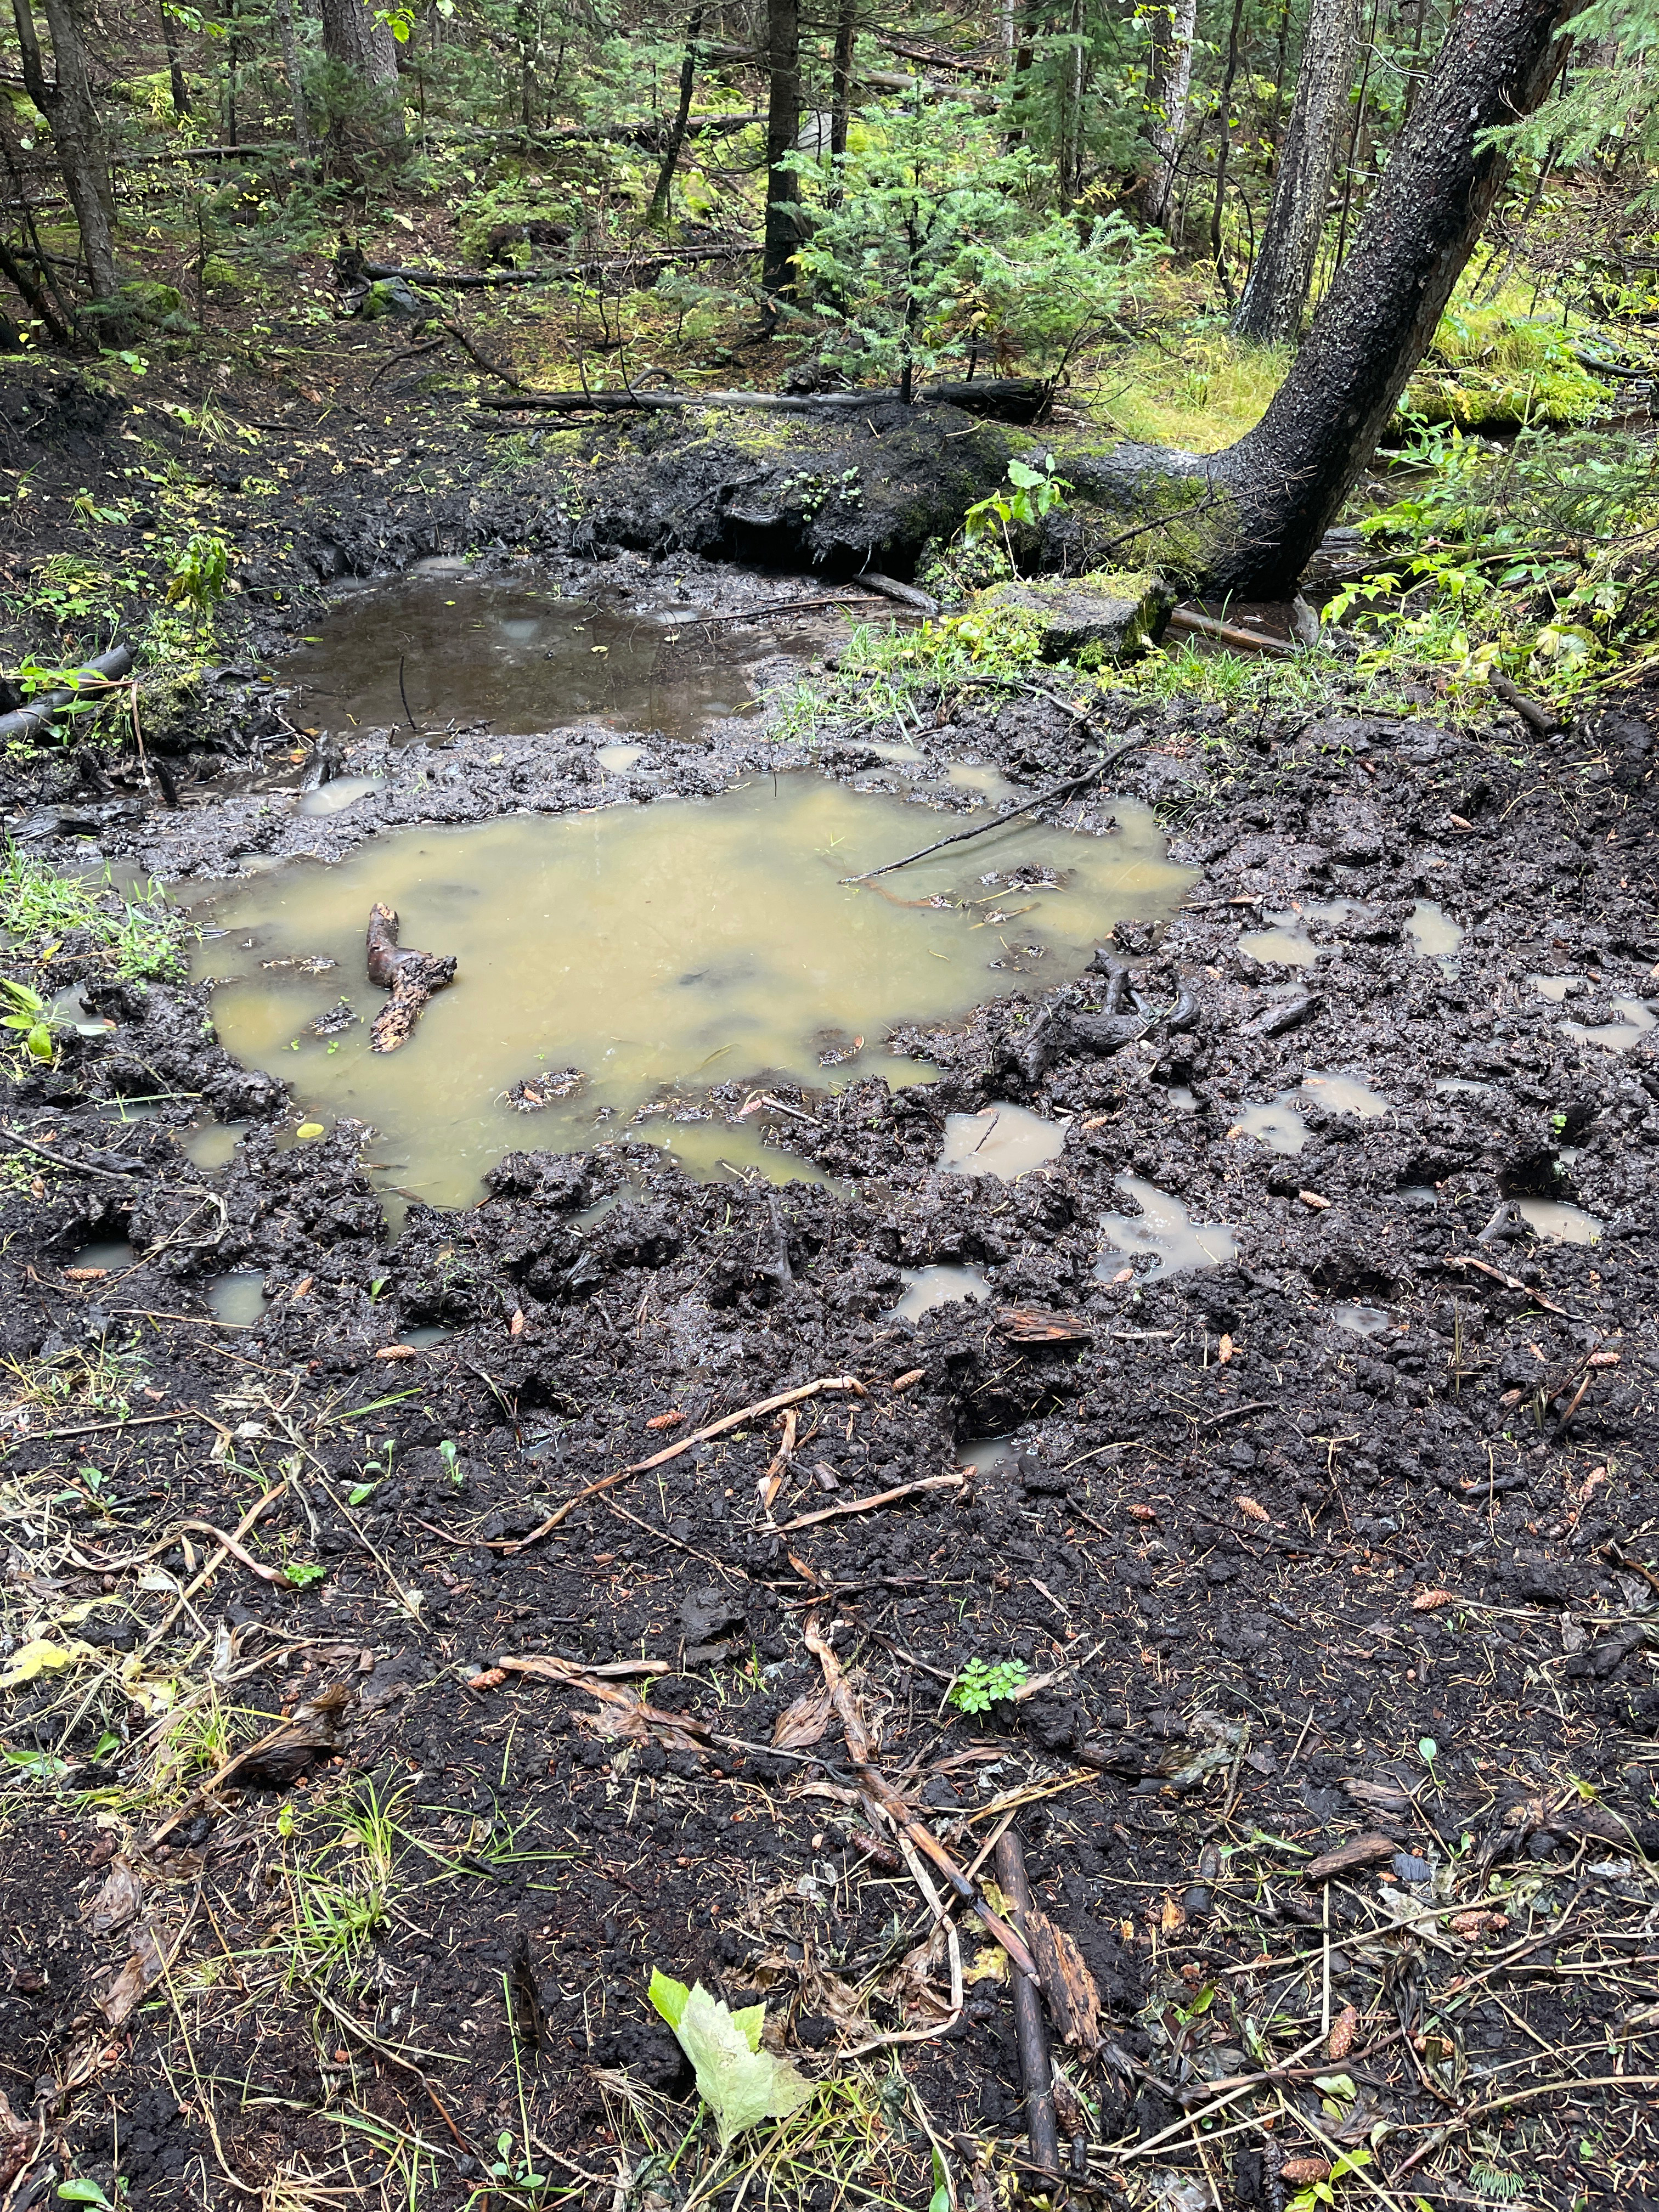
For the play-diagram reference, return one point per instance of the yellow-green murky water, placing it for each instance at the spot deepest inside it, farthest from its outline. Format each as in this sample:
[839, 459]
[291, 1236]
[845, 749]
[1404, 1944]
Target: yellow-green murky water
[659, 950]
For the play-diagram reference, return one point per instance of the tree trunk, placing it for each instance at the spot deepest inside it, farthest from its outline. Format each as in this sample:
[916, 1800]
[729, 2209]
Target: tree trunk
[354, 39]
[782, 130]
[77, 136]
[175, 67]
[1270, 312]
[1225, 150]
[840, 84]
[288, 45]
[1259, 508]
[1170, 76]
[657, 213]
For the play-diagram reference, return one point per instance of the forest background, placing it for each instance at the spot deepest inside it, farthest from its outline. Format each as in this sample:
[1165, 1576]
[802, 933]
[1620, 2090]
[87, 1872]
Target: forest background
[1138, 206]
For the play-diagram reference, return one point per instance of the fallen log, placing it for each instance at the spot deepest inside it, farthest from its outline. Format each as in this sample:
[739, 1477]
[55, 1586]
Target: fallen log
[1186, 620]
[1009, 398]
[410, 976]
[98, 675]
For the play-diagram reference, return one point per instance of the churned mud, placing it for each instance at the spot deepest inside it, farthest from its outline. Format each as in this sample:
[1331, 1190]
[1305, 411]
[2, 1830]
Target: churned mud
[1239, 1322]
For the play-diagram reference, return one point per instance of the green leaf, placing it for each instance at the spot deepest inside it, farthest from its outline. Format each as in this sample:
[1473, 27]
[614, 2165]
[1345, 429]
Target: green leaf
[741, 2083]
[667, 1995]
[1023, 474]
[82, 2192]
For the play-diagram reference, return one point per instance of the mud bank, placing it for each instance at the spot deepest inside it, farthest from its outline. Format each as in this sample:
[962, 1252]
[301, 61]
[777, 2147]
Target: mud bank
[1297, 1586]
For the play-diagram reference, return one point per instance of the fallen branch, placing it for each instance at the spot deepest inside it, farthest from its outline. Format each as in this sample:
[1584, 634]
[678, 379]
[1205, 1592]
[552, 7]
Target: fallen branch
[870, 1504]
[98, 677]
[1103, 763]
[1030, 2031]
[410, 976]
[672, 1451]
[1510, 1282]
[1228, 633]
[1010, 398]
[1535, 717]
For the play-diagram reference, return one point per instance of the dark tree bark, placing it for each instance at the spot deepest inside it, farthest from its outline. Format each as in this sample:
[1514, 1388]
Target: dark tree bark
[1225, 150]
[1266, 502]
[357, 41]
[782, 130]
[65, 100]
[840, 80]
[1169, 82]
[1270, 312]
[175, 67]
[657, 213]
[288, 45]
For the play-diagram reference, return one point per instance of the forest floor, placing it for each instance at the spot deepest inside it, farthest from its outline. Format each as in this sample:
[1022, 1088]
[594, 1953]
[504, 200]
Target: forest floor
[340, 1845]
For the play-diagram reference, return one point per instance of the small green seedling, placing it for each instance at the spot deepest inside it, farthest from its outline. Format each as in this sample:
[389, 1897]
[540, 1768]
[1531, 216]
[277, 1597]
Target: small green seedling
[301, 1573]
[984, 1683]
[449, 1453]
[26, 1013]
[1428, 1751]
[85, 2191]
[1320, 2193]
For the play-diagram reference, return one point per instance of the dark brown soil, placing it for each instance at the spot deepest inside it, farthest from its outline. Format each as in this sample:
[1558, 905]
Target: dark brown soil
[1298, 1587]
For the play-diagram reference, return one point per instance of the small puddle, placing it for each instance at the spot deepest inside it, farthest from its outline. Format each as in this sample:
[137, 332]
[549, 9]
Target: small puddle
[1278, 1126]
[1553, 987]
[1006, 1141]
[506, 650]
[656, 950]
[213, 1145]
[1558, 1224]
[927, 1287]
[1345, 1094]
[617, 760]
[109, 1255]
[1362, 1321]
[1634, 1021]
[335, 798]
[1287, 947]
[987, 1454]
[1163, 1226]
[1434, 932]
[238, 1299]
[1462, 1086]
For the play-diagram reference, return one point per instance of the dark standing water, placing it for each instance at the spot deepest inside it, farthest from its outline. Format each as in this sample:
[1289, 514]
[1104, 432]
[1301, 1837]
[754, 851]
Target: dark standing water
[511, 651]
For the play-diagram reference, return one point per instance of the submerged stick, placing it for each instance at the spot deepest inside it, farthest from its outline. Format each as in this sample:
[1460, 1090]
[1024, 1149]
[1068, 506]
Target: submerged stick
[1098, 766]
[410, 976]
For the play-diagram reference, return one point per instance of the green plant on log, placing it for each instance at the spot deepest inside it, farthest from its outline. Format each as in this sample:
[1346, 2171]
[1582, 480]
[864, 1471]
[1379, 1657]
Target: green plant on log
[200, 576]
[1031, 493]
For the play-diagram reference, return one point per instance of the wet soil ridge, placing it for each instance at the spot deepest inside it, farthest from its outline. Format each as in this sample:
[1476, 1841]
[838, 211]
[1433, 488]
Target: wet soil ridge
[1306, 1544]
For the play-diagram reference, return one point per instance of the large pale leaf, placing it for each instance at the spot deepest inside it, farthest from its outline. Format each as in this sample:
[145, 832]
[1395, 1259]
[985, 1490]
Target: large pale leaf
[741, 2083]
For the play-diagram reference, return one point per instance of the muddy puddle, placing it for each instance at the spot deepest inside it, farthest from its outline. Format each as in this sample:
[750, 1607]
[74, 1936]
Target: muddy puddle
[616, 967]
[430, 650]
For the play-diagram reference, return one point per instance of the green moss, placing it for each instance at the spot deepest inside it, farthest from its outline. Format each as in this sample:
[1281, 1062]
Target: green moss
[1489, 369]
[218, 276]
[161, 306]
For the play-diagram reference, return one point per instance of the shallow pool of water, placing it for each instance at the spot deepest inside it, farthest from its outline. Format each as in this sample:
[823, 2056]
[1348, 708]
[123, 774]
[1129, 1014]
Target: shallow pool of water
[238, 1299]
[1560, 1223]
[1006, 1141]
[1278, 1125]
[656, 950]
[1631, 1022]
[1345, 1094]
[511, 651]
[1161, 1226]
[927, 1287]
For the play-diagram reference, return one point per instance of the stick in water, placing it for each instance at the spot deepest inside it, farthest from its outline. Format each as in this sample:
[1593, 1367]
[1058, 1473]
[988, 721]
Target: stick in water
[1102, 764]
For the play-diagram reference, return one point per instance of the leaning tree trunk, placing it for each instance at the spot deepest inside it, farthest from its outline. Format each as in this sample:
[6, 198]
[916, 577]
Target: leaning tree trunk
[1170, 78]
[1276, 292]
[782, 131]
[77, 135]
[1256, 512]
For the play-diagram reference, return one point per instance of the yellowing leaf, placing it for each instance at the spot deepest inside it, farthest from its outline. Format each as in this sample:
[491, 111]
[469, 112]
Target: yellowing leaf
[990, 1964]
[741, 2083]
[32, 1659]
[309, 1129]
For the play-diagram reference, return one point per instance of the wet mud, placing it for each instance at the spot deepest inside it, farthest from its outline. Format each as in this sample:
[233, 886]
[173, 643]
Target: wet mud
[1298, 1434]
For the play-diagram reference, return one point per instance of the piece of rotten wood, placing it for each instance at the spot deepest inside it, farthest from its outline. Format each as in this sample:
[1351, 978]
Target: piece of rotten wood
[1510, 1282]
[410, 976]
[1038, 1325]
[1363, 1852]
